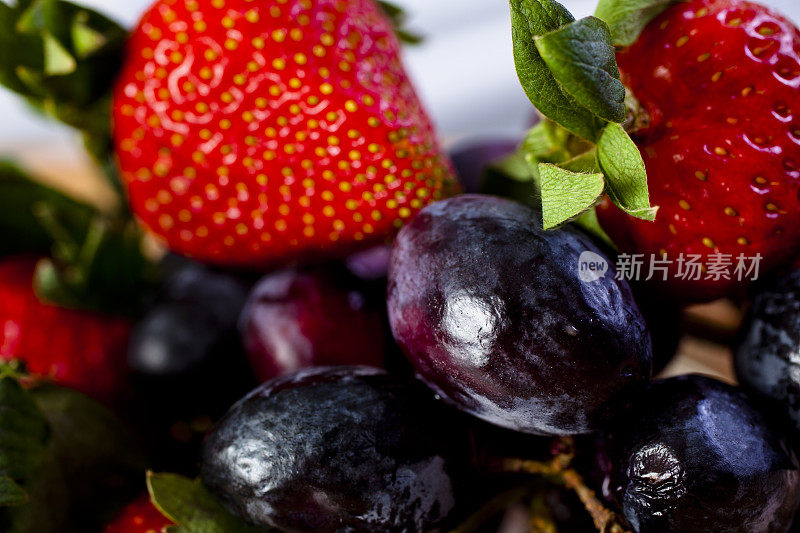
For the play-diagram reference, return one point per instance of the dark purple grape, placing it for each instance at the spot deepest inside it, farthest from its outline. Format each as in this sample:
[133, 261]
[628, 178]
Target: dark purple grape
[491, 311]
[184, 346]
[696, 456]
[339, 449]
[296, 319]
[472, 159]
[370, 265]
[767, 359]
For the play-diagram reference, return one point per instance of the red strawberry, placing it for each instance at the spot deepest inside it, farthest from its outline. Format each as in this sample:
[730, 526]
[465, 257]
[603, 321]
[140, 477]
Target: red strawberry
[249, 133]
[720, 81]
[140, 516]
[78, 349]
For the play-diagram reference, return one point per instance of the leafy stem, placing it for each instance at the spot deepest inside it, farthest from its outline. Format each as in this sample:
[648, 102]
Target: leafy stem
[568, 69]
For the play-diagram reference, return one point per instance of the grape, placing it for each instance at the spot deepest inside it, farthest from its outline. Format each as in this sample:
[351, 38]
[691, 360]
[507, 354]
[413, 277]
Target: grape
[697, 456]
[338, 449]
[296, 319]
[491, 311]
[766, 359]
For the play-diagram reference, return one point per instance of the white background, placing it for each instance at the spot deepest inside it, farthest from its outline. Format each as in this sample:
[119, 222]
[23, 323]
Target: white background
[464, 70]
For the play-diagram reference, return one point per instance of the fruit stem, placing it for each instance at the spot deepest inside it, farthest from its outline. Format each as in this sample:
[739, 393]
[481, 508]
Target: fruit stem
[636, 118]
[558, 469]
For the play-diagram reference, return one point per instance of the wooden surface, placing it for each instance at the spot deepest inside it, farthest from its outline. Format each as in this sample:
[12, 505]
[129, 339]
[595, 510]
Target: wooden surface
[67, 166]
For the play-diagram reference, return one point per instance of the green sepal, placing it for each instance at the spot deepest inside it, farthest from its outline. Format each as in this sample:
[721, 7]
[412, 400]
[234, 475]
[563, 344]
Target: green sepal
[626, 177]
[63, 59]
[57, 61]
[96, 260]
[399, 18]
[24, 434]
[189, 504]
[512, 177]
[565, 194]
[627, 18]
[91, 466]
[106, 270]
[531, 19]
[589, 223]
[20, 199]
[11, 493]
[547, 142]
[581, 58]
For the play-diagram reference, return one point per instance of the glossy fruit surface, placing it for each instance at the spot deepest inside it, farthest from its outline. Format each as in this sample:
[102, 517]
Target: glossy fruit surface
[194, 317]
[697, 456]
[338, 449]
[491, 311]
[766, 358]
[252, 133]
[185, 345]
[297, 319]
[140, 516]
[79, 349]
[719, 82]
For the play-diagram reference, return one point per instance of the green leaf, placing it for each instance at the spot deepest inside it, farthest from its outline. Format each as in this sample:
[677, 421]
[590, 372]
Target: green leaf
[97, 261]
[11, 494]
[589, 223]
[512, 177]
[191, 506]
[581, 57]
[585, 163]
[57, 61]
[92, 465]
[20, 198]
[531, 19]
[546, 142]
[627, 18]
[85, 39]
[399, 18]
[63, 59]
[24, 434]
[565, 194]
[626, 178]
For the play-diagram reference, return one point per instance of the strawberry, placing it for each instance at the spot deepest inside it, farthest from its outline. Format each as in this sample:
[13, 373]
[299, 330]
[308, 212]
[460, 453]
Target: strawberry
[719, 83]
[140, 516]
[252, 133]
[78, 349]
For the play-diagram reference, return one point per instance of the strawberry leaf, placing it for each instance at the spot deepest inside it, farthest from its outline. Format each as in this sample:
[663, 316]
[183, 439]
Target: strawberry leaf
[589, 223]
[97, 261]
[20, 199]
[547, 142]
[565, 194]
[11, 494]
[24, 434]
[626, 178]
[399, 18]
[63, 59]
[531, 19]
[91, 466]
[627, 18]
[191, 506]
[581, 58]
